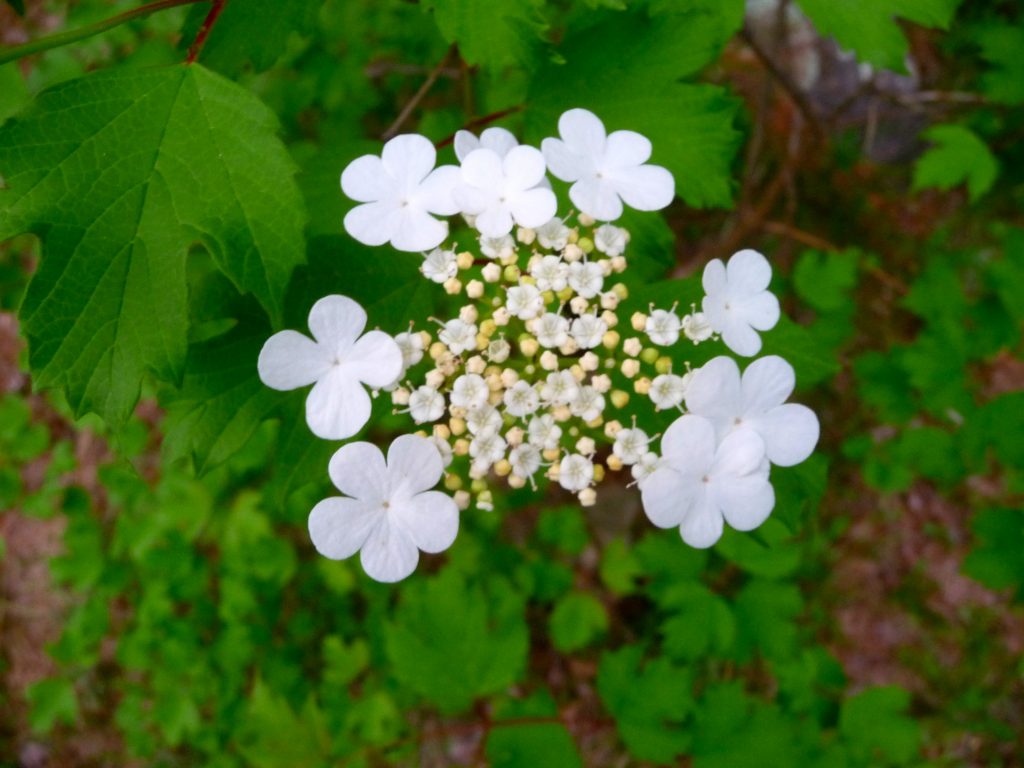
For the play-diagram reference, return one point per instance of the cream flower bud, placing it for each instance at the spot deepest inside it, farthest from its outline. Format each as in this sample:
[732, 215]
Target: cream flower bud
[638, 321]
[620, 398]
[614, 463]
[474, 289]
[501, 316]
[502, 468]
[632, 346]
[434, 378]
[609, 300]
[578, 305]
[589, 362]
[452, 286]
[630, 368]
[610, 318]
[585, 445]
[612, 428]
[400, 396]
[602, 383]
[509, 377]
[526, 235]
[569, 347]
[528, 347]
[491, 272]
[610, 341]
[549, 361]
[457, 425]
[468, 314]
[572, 252]
[587, 497]
[514, 436]
[618, 264]
[475, 364]
[462, 499]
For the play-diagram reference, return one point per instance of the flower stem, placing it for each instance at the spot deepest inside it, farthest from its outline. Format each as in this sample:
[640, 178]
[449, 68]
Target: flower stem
[90, 30]
[204, 31]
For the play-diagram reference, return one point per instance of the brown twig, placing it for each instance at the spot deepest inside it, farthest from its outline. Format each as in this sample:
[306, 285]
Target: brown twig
[799, 235]
[204, 31]
[482, 121]
[418, 96]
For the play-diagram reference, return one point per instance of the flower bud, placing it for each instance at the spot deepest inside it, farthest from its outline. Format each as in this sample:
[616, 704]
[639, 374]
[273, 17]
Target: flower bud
[478, 486]
[457, 426]
[561, 413]
[620, 399]
[468, 314]
[511, 274]
[585, 445]
[529, 347]
[606, 267]
[491, 272]
[638, 321]
[525, 235]
[630, 368]
[587, 497]
[649, 355]
[630, 346]
[598, 473]
[462, 500]
[589, 362]
[618, 264]
[577, 372]
[609, 300]
[502, 467]
[578, 305]
[464, 260]
[474, 289]
[425, 338]
[549, 361]
[585, 220]
[642, 386]
[442, 432]
[610, 340]
[452, 286]
[550, 454]
[509, 377]
[565, 294]
[514, 436]
[610, 318]
[614, 463]
[586, 244]
[485, 501]
[620, 290]
[572, 252]
[435, 378]
[475, 364]
[437, 349]
[663, 364]
[501, 316]
[515, 481]
[400, 396]
[602, 383]
[452, 482]
[612, 428]
[569, 347]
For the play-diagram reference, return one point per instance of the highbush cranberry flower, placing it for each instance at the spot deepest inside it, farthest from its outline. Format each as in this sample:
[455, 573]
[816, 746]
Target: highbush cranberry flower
[398, 191]
[388, 513]
[499, 140]
[737, 303]
[500, 192]
[700, 483]
[606, 169]
[757, 401]
[339, 360]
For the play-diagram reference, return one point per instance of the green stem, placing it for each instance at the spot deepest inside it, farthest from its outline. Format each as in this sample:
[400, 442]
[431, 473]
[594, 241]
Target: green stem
[74, 35]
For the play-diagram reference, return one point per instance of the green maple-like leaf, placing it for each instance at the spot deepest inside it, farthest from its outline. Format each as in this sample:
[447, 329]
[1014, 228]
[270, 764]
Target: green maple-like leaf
[120, 173]
[870, 27]
[637, 88]
[493, 33]
[958, 156]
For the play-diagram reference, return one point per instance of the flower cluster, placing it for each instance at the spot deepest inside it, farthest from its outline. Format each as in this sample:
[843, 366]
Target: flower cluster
[536, 377]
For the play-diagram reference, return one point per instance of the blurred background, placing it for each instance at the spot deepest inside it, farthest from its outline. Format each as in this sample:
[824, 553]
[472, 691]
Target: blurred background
[163, 607]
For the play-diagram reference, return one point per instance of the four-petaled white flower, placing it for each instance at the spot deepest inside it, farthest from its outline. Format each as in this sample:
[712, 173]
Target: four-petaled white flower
[586, 278]
[552, 330]
[502, 191]
[439, 265]
[525, 459]
[551, 273]
[499, 140]
[340, 361]
[757, 401]
[426, 404]
[553, 235]
[588, 403]
[544, 432]
[700, 482]
[662, 327]
[398, 191]
[737, 303]
[524, 301]
[521, 399]
[458, 336]
[630, 445]
[486, 448]
[469, 391]
[588, 330]
[575, 472]
[388, 513]
[497, 247]
[611, 240]
[606, 169]
[668, 390]
[560, 388]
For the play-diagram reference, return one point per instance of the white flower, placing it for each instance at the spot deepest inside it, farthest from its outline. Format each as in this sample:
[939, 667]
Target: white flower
[575, 472]
[388, 511]
[501, 192]
[497, 248]
[544, 432]
[487, 448]
[498, 140]
[439, 265]
[662, 327]
[588, 330]
[521, 399]
[411, 345]
[426, 404]
[607, 170]
[586, 278]
[469, 391]
[458, 336]
[610, 240]
[552, 330]
[697, 328]
[554, 235]
[525, 459]
[340, 361]
[560, 388]
[646, 466]
[588, 404]
[551, 273]
[398, 191]
[668, 390]
[498, 350]
[737, 303]
[701, 482]
[630, 445]
[483, 419]
[524, 301]
[757, 402]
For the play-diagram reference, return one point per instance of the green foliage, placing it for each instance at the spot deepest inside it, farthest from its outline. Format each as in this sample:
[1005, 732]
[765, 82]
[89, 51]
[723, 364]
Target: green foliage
[492, 33]
[577, 620]
[875, 725]
[119, 173]
[996, 560]
[870, 28]
[958, 156]
[53, 701]
[1001, 45]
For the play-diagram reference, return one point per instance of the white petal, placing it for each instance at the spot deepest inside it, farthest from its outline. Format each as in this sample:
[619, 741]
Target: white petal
[626, 149]
[414, 465]
[409, 158]
[583, 131]
[337, 407]
[376, 360]
[563, 162]
[702, 527]
[790, 433]
[596, 198]
[365, 180]
[739, 336]
[339, 527]
[689, 444]
[336, 322]
[524, 167]
[482, 168]
[465, 142]
[767, 382]
[494, 221]
[647, 188]
[500, 140]
[748, 271]
[358, 470]
[372, 223]
[666, 497]
[389, 554]
[746, 501]
[740, 453]
[431, 519]
[534, 207]
[473, 200]
[289, 360]
[417, 230]
[714, 279]
[714, 392]
[435, 193]
[760, 311]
